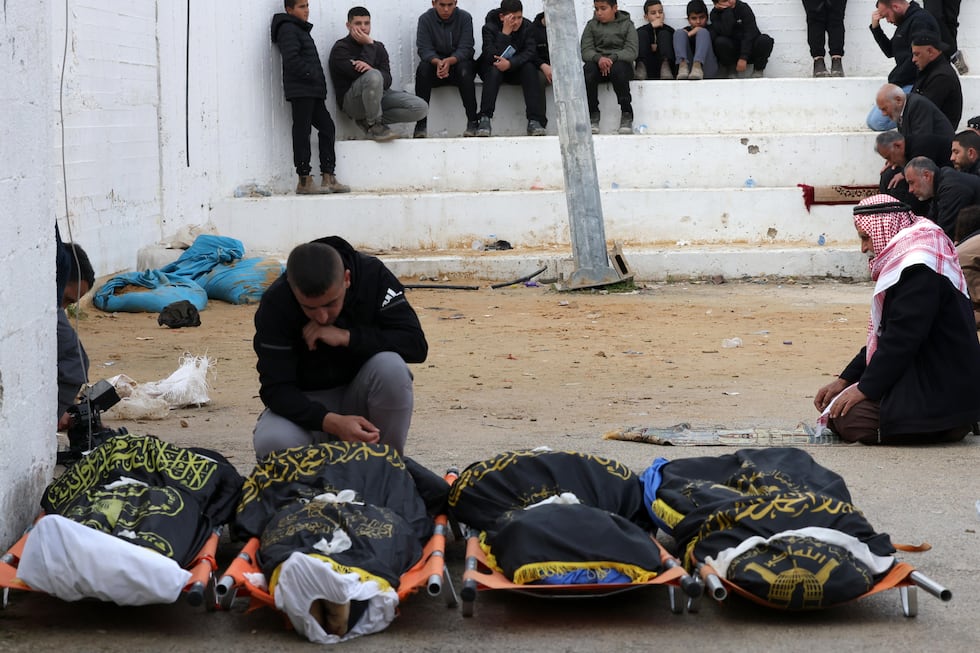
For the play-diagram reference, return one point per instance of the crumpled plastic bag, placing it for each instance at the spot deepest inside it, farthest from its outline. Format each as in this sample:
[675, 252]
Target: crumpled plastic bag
[187, 386]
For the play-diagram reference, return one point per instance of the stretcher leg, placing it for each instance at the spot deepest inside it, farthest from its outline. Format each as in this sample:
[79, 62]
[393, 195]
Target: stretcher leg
[910, 600]
[452, 599]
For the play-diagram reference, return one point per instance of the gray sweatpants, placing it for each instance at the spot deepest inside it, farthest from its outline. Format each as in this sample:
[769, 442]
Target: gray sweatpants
[368, 100]
[381, 392]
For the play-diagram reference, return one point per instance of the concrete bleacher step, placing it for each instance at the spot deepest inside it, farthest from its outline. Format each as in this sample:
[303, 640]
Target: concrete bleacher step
[445, 220]
[709, 187]
[711, 106]
[638, 161]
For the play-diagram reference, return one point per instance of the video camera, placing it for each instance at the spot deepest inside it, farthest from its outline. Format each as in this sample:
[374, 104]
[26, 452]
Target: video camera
[85, 430]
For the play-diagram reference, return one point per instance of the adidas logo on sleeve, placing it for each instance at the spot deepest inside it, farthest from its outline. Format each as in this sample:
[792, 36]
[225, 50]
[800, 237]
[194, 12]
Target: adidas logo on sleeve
[390, 296]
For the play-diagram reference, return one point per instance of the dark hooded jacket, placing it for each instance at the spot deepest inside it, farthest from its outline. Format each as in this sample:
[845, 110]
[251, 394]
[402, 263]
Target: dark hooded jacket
[899, 46]
[376, 313]
[541, 40]
[940, 83]
[302, 74]
[438, 38]
[495, 41]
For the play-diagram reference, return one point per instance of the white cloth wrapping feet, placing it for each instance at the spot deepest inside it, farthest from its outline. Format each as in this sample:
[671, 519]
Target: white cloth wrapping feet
[304, 579]
[72, 561]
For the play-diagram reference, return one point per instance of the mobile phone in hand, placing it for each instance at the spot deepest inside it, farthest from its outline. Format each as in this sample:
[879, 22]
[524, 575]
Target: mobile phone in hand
[508, 52]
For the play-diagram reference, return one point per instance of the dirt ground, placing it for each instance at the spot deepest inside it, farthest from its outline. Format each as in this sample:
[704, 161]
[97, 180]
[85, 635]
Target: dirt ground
[526, 366]
[520, 366]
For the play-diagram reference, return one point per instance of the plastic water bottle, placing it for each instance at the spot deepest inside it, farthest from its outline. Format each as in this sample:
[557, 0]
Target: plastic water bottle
[614, 185]
[822, 240]
[640, 129]
[750, 183]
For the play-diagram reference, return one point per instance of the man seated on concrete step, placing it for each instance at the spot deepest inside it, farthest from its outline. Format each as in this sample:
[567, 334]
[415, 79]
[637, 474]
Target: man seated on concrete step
[737, 39]
[965, 152]
[909, 20]
[361, 75]
[936, 78]
[950, 190]
[444, 39]
[510, 56]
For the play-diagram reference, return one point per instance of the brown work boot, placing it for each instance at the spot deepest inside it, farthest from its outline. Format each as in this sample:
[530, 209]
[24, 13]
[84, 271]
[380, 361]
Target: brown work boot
[305, 186]
[329, 184]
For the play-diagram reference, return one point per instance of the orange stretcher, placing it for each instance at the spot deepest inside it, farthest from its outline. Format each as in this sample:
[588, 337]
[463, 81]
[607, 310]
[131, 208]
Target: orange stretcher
[479, 576]
[200, 587]
[902, 576]
[429, 572]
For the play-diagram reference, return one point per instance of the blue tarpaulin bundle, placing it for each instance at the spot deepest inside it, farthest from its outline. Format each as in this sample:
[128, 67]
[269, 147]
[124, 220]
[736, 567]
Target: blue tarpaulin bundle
[150, 291]
[241, 282]
[212, 267]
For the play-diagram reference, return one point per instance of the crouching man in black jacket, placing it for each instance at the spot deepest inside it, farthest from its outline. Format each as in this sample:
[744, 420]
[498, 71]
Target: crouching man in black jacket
[333, 336]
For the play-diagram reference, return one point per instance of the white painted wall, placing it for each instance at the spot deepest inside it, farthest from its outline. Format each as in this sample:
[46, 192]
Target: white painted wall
[153, 144]
[27, 291]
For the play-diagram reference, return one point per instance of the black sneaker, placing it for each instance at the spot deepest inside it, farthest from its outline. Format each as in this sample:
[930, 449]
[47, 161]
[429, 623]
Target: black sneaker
[421, 130]
[471, 128]
[484, 130]
[535, 128]
[594, 123]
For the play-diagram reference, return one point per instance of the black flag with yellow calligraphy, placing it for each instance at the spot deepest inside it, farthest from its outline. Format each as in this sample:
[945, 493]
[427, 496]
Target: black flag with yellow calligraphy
[748, 509]
[149, 492]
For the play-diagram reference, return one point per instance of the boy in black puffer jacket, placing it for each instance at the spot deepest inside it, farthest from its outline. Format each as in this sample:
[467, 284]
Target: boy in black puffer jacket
[305, 87]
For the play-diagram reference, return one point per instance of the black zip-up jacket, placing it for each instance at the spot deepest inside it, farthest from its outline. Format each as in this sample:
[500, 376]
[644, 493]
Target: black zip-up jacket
[376, 313]
[347, 50]
[540, 40]
[445, 38]
[495, 41]
[302, 74]
[899, 47]
[737, 23]
[953, 190]
[940, 83]
[926, 369]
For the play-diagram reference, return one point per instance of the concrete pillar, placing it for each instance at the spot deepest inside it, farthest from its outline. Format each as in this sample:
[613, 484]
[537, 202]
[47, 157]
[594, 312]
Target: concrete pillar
[577, 153]
[27, 293]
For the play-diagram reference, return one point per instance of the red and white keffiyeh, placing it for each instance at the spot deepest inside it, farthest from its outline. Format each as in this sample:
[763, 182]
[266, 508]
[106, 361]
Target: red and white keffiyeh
[901, 239]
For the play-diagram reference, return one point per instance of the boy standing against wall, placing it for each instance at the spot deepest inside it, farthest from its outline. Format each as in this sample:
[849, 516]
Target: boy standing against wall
[305, 87]
[609, 48]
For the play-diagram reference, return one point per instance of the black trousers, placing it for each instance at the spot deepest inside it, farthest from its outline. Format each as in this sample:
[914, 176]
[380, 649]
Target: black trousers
[311, 112]
[825, 17]
[947, 14]
[462, 76]
[619, 76]
[527, 76]
[727, 50]
[654, 60]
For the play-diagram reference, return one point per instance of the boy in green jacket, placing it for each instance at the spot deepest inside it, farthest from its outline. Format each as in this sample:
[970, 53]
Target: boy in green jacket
[609, 48]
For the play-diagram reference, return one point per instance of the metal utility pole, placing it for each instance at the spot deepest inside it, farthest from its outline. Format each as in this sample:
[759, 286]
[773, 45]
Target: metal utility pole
[577, 153]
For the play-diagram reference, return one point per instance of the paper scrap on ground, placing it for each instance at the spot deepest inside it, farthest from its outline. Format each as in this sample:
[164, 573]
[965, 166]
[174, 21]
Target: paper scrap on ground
[683, 435]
